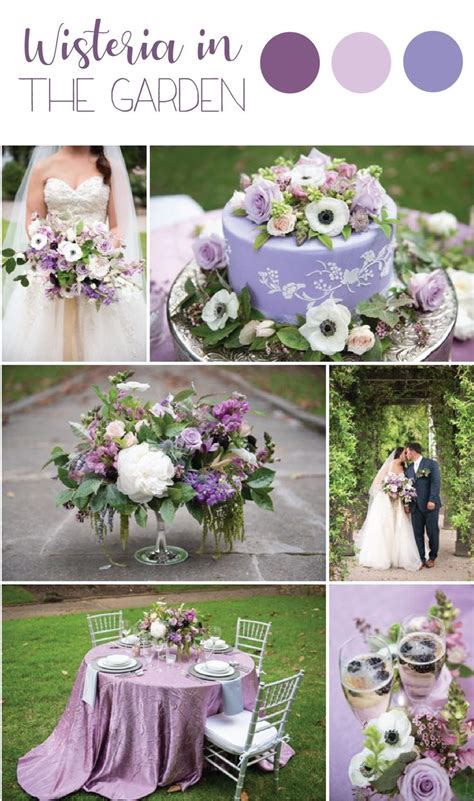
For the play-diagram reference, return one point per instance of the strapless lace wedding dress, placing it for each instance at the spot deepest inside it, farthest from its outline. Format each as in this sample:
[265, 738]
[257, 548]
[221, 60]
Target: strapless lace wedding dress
[386, 539]
[36, 328]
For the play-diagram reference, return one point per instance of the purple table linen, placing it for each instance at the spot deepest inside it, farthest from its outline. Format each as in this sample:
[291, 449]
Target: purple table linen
[144, 732]
[380, 606]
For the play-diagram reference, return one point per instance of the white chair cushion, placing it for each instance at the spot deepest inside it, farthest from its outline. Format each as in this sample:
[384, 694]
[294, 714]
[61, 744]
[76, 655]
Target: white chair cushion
[230, 732]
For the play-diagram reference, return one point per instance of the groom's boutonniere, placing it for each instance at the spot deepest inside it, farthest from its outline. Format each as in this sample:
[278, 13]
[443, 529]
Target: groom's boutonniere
[425, 473]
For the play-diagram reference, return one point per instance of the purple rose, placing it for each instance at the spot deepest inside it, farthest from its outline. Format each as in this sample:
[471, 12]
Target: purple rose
[190, 439]
[369, 193]
[209, 252]
[425, 780]
[259, 198]
[427, 289]
[104, 246]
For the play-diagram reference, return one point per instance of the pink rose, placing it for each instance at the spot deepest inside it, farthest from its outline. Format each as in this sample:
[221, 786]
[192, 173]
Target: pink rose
[347, 170]
[360, 340]
[280, 226]
[330, 179]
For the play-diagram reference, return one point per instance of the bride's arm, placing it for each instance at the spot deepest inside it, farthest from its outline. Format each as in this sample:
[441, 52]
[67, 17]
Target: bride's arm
[35, 198]
[112, 216]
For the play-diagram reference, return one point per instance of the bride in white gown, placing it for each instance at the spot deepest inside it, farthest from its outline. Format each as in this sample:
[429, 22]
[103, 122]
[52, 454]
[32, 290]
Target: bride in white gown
[88, 183]
[386, 538]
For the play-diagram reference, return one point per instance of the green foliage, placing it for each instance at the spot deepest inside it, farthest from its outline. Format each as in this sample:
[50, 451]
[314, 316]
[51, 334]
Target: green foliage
[12, 175]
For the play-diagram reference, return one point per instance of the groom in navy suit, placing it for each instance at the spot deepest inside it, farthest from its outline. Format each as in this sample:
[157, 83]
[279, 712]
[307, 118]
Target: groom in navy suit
[425, 509]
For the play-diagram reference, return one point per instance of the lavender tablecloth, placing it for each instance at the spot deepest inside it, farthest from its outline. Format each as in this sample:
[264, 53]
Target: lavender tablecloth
[143, 732]
[380, 606]
[171, 250]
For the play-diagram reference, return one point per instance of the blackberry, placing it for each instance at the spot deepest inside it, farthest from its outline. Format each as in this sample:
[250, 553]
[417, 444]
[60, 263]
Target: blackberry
[428, 644]
[384, 690]
[406, 648]
[375, 661]
[354, 666]
[382, 675]
[424, 658]
[424, 668]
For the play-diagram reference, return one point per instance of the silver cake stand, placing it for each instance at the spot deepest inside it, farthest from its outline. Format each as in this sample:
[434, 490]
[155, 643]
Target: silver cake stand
[439, 325]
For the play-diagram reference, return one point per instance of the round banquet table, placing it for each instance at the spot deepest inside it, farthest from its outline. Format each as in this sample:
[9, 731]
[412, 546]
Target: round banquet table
[143, 732]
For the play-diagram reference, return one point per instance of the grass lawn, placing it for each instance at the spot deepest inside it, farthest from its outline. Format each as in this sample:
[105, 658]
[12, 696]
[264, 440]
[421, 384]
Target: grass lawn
[19, 381]
[304, 386]
[12, 595]
[426, 178]
[41, 657]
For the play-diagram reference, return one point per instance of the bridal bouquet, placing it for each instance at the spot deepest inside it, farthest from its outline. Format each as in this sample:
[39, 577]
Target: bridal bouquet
[399, 486]
[72, 259]
[174, 625]
[135, 455]
[428, 756]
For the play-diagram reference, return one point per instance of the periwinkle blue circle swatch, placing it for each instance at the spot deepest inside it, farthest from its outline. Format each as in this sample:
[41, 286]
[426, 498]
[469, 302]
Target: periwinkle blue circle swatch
[289, 62]
[433, 61]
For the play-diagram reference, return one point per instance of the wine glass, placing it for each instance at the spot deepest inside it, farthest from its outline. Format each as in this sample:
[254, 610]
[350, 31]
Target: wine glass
[125, 628]
[170, 657]
[366, 673]
[146, 652]
[421, 651]
[215, 632]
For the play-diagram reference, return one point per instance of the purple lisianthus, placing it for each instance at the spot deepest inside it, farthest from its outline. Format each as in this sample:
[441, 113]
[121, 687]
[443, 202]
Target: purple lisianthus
[369, 193]
[190, 438]
[210, 252]
[427, 289]
[259, 198]
[425, 780]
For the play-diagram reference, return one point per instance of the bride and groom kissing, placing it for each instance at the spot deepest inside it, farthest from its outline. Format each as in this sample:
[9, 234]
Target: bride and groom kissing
[393, 533]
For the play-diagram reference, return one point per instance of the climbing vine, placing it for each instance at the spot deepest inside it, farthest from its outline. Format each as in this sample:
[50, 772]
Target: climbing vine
[373, 409]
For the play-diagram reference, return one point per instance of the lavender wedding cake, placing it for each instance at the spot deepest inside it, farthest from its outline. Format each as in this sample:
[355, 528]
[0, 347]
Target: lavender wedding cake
[300, 233]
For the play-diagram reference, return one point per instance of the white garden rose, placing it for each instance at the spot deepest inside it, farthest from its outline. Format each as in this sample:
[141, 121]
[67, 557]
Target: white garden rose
[98, 267]
[327, 216]
[219, 308]
[158, 630]
[442, 224]
[144, 473]
[464, 287]
[115, 429]
[283, 225]
[327, 327]
[237, 200]
[360, 340]
[130, 386]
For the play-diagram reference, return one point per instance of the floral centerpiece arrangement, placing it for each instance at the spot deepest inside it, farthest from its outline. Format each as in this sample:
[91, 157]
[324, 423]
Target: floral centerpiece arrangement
[71, 259]
[427, 755]
[173, 625]
[332, 198]
[135, 455]
[399, 486]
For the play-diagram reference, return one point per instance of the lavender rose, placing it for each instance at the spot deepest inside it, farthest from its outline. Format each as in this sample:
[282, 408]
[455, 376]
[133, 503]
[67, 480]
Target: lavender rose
[425, 780]
[190, 439]
[259, 198]
[427, 289]
[369, 193]
[209, 252]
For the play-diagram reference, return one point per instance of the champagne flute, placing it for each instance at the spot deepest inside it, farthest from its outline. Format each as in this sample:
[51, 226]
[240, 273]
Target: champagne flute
[421, 650]
[366, 674]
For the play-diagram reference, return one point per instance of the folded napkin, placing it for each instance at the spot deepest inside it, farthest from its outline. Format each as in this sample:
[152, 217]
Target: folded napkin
[90, 685]
[232, 696]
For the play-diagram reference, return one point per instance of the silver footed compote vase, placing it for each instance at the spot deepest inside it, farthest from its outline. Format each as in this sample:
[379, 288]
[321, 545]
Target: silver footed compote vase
[161, 554]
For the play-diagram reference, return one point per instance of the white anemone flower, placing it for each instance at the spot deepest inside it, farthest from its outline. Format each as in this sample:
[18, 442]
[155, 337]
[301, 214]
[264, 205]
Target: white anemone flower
[71, 251]
[38, 241]
[311, 175]
[219, 308]
[327, 327]
[361, 773]
[394, 728]
[327, 216]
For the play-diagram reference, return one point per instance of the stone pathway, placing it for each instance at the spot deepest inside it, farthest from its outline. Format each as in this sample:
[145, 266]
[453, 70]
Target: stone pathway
[41, 542]
[448, 567]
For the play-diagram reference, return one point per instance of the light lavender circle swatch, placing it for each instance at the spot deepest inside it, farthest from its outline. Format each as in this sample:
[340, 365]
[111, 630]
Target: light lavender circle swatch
[361, 62]
[433, 61]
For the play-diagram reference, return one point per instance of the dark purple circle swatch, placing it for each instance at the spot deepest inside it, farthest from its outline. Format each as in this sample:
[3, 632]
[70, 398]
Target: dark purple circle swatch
[433, 61]
[289, 62]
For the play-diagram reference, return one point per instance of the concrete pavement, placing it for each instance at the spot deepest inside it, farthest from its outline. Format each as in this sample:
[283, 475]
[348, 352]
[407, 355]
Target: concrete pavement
[42, 543]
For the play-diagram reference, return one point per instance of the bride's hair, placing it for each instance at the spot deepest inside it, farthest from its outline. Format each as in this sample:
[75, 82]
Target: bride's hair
[397, 452]
[102, 163]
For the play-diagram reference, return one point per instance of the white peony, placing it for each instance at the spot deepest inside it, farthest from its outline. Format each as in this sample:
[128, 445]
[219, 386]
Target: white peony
[130, 386]
[308, 174]
[144, 473]
[115, 429]
[394, 728]
[38, 241]
[360, 774]
[98, 267]
[158, 630]
[254, 329]
[464, 286]
[237, 200]
[70, 251]
[244, 455]
[327, 216]
[442, 224]
[327, 327]
[219, 308]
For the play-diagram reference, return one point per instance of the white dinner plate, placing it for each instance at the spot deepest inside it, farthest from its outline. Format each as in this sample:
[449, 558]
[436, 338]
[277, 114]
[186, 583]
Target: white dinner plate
[203, 669]
[130, 640]
[104, 663]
